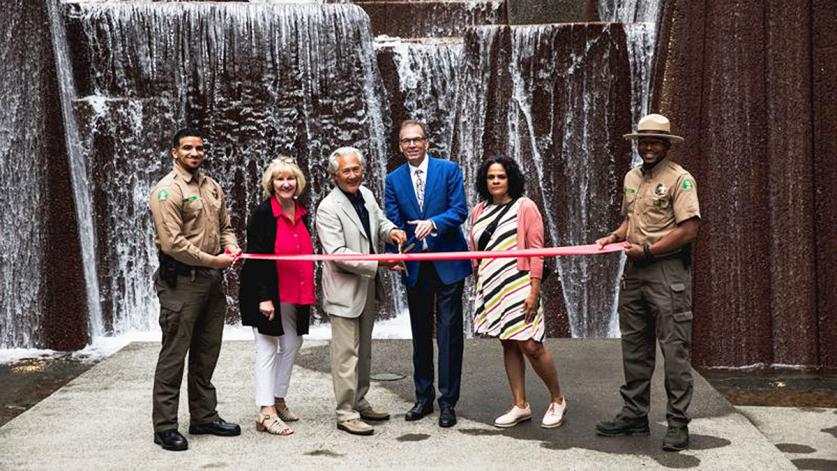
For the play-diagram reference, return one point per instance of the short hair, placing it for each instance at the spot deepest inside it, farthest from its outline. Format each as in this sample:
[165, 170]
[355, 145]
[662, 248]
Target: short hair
[282, 164]
[342, 152]
[413, 122]
[185, 132]
[517, 182]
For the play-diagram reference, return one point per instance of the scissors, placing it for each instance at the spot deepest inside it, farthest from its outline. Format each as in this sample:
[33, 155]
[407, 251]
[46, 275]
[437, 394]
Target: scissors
[402, 249]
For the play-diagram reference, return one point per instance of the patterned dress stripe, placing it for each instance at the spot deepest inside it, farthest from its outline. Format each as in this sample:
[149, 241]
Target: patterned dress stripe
[501, 288]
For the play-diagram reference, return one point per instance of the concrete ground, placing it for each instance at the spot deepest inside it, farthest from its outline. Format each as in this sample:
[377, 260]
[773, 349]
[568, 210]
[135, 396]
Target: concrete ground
[101, 420]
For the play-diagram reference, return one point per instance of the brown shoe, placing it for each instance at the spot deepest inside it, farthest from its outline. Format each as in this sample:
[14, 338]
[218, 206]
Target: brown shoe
[356, 427]
[372, 414]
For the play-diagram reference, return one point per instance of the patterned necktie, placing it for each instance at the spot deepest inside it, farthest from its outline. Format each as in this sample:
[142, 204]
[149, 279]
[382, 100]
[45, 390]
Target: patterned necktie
[420, 189]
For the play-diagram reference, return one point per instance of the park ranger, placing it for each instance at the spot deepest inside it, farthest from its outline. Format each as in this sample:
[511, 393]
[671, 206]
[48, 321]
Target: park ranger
[661, 218]
[192, 230]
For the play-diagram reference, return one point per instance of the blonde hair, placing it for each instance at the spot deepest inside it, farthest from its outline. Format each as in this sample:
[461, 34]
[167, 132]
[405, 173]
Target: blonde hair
[282, 164]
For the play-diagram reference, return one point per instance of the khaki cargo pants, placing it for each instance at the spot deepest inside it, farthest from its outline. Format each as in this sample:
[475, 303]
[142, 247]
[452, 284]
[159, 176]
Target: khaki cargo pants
[655, 305]
[192, 321]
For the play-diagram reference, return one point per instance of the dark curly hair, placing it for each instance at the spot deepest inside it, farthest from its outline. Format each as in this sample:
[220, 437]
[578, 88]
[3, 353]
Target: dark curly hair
[517, 182]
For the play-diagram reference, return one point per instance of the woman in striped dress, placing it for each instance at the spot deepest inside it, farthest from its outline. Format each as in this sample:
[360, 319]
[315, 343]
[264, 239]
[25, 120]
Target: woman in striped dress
[508, 290]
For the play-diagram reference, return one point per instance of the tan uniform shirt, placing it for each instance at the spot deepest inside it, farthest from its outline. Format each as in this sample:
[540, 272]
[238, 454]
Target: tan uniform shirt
[656, 201]
[190, 219]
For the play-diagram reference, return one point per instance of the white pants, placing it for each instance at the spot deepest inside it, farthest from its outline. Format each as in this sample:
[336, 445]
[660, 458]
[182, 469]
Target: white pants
[275, 358]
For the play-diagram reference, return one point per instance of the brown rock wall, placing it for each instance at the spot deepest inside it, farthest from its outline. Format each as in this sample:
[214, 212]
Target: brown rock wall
[736, 80]
[791, 183]
[825, 171]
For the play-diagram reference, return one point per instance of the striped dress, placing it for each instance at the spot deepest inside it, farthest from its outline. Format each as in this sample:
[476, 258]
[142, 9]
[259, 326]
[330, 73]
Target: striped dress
[501, 287]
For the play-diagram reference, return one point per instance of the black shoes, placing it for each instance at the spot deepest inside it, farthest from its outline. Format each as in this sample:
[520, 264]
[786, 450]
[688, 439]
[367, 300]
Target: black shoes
[418, 411]
[677, 438]
[447, 418]
[171, 440]
[623, 426]
[216, 427]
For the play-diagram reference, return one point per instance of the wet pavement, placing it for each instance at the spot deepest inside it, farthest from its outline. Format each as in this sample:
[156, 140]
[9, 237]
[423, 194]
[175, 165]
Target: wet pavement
[27, 382]
[102, 419]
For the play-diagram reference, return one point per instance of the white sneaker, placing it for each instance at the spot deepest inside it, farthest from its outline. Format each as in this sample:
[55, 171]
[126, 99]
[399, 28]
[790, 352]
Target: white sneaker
[554, 416]
[514, 416]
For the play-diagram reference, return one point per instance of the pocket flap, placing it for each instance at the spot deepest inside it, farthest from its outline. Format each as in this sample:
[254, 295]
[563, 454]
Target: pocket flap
[678, 287]
[683, 316]
[171, 305]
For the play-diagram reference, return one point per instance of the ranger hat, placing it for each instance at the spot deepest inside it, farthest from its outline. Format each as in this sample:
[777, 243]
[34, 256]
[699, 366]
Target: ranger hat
[654, 125]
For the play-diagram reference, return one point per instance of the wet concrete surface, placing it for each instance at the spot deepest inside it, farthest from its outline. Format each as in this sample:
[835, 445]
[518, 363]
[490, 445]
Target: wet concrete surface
[27, 382]
[775, 388]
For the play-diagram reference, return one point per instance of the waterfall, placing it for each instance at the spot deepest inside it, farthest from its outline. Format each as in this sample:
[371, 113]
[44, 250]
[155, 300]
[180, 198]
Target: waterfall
[259, 79]
[584, 280]
[428, 73]
[79, 170]
[538, 94]
[641, 19]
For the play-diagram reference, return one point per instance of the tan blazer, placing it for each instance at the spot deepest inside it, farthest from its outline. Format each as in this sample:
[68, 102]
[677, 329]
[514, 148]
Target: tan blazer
[346, 284]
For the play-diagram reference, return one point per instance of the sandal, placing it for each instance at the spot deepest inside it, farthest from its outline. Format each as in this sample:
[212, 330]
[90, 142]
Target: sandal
[284, 413]
[272, 424]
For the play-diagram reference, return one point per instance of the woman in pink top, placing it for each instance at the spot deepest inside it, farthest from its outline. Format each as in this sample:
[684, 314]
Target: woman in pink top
[276, 296]
[507, 304]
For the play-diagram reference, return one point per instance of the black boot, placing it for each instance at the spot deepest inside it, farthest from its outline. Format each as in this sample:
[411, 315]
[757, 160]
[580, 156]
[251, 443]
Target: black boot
[171, 440]
[623, 426]
[677, 438]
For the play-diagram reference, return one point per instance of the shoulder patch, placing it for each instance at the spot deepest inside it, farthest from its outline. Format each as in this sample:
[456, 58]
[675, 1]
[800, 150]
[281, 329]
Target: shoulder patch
[687, 184]
[163, 195]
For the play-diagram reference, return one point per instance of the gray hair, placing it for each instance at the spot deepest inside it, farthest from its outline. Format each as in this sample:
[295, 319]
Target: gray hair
[342, 152]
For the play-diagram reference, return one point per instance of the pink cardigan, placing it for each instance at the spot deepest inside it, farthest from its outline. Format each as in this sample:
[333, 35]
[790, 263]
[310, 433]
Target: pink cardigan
[529, 235]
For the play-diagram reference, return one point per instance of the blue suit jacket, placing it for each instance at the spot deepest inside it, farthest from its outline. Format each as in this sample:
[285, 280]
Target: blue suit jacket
[444, 203]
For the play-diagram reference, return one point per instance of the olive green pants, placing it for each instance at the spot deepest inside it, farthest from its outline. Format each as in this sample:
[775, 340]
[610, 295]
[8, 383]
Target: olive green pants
[655, 305]
[192, 321]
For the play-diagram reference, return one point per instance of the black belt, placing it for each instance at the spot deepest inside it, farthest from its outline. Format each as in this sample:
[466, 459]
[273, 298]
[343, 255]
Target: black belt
[682, 254]
[179, 267]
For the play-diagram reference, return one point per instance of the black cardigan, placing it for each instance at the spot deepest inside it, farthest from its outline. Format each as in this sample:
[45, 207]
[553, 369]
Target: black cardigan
[259, 281]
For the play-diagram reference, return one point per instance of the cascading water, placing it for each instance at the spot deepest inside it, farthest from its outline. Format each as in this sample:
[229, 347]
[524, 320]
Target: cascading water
[548, 109]
[582, 277]
[640, 19]
[260, 79]
[427, 73]
[79, 171]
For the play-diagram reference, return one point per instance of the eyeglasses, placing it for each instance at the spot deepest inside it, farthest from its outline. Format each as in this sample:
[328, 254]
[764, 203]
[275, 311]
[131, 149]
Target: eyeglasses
[412, 140]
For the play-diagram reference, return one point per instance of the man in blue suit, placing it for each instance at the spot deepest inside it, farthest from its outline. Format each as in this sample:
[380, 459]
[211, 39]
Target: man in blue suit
[426, 198]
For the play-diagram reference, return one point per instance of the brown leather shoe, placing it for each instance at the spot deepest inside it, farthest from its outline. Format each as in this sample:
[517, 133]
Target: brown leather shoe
[355, 427]
[372, 414]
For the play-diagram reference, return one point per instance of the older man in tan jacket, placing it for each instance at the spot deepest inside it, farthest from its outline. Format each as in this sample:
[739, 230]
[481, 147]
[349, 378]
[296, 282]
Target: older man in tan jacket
[349, 221]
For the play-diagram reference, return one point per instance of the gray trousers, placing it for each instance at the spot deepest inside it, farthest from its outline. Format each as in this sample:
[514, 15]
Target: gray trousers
[192, 321]
[655, 305]
[351, 359]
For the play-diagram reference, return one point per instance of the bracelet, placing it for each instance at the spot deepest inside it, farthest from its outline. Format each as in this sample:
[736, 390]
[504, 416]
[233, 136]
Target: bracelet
[646, 249]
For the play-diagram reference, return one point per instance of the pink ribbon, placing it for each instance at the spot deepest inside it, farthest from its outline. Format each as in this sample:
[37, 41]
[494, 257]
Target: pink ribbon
[591, 249]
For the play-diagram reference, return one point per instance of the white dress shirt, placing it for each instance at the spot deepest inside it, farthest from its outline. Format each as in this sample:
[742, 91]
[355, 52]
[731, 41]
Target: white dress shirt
[423, 167]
